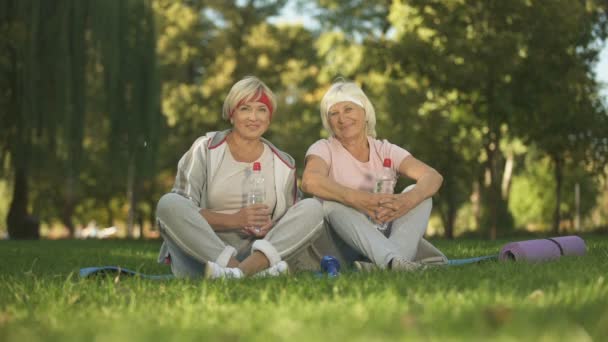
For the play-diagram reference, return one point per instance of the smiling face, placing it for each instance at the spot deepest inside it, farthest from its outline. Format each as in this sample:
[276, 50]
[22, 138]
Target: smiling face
[250, 120]
[347, 120]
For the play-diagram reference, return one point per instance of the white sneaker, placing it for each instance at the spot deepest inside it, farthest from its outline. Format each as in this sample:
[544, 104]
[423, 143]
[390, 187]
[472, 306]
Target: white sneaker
[400, 264]
[278, 269]
[363, 266]
[215, 271]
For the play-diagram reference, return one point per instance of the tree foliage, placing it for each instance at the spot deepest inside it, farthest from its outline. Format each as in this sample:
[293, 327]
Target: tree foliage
[46, 61]
[102, 97]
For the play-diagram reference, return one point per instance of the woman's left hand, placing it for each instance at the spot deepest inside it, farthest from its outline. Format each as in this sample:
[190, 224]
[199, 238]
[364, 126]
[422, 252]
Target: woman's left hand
[395, 206]
[259, 232]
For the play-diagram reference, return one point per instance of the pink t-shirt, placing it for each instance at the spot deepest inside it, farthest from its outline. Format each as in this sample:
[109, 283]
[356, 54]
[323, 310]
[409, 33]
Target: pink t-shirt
[348, 171]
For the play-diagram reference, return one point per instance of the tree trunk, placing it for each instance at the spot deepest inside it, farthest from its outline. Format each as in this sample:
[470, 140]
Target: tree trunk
[445, 213]
[559, 171]
[507, 176]
[68, 206]
[20, 224]
[140, 222]
[66, 217]
[110, 214]
[493, 189]
[152, 202]
[449, 224]
[450, 196]
[131, 197]
[476, 203]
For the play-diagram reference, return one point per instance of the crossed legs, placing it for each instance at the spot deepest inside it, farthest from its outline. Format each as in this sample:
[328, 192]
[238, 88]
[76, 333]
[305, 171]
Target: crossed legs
[192, 241]
[357, 231]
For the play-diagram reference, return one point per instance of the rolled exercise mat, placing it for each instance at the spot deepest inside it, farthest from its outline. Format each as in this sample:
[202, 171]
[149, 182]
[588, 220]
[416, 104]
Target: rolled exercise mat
[543, 249]
[88, 272]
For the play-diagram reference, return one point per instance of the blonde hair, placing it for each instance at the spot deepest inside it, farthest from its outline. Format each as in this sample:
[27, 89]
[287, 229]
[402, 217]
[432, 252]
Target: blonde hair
[249, 88]
[348, 91]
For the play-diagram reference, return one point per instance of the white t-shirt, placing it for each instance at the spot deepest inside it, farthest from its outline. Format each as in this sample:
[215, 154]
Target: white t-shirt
[226, 193]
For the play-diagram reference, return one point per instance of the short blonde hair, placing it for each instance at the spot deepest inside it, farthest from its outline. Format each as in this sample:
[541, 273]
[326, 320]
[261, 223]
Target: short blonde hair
[346, 90]
[249, 88]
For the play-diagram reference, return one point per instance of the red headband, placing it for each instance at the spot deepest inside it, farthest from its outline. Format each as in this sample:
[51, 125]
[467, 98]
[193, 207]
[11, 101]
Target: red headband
[263, 99]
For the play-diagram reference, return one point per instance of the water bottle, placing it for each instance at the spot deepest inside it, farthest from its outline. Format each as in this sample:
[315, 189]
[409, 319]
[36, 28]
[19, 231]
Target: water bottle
[256, 192]
[385, 184]
[330, 265]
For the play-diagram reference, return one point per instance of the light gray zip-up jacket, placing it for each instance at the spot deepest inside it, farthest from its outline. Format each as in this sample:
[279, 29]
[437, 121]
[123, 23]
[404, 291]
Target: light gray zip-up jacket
[198, 167]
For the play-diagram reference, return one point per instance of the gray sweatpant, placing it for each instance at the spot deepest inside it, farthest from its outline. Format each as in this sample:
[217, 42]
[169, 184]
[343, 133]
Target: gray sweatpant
[191, 241]
[350, 235]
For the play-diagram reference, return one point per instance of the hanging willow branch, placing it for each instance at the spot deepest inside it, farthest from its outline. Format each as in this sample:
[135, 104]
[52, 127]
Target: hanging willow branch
[44, 59]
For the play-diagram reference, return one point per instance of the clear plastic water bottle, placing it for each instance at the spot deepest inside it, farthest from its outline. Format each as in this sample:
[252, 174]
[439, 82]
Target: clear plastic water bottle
[330, 265]
[385, 184]
[256, 192]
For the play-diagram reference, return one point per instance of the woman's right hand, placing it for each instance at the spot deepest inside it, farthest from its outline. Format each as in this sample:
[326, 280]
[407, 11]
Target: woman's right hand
[369, 203]
[255, 215]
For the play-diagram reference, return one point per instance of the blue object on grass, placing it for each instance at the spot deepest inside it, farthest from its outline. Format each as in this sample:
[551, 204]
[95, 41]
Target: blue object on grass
[116, 270]
[457, 262]
[330, 265]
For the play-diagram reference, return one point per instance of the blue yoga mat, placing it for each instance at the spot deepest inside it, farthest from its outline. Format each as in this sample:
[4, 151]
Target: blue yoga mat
[457, 262]
[115, 270]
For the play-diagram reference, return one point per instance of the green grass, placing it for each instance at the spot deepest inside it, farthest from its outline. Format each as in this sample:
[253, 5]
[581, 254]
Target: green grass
[42, 298]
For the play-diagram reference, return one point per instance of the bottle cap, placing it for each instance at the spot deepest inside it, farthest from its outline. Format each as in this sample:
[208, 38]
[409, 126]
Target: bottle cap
[257, 166]
[387, 162]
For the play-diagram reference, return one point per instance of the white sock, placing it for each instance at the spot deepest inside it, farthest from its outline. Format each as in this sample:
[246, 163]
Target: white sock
[236, 273]
[274, 271]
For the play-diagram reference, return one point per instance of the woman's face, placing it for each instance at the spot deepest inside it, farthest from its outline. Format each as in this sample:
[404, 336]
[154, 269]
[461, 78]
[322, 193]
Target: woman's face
[347, 120]
[250, 120]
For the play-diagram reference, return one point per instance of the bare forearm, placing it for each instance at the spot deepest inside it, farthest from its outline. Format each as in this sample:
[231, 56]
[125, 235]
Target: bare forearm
[316, 181]
[426, 186]
[327, 189]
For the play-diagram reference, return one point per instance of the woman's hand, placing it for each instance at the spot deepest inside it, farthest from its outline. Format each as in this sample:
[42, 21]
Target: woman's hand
[258, 232]
[395, 206]
[428, 181]
[370, 204]
[255, 215]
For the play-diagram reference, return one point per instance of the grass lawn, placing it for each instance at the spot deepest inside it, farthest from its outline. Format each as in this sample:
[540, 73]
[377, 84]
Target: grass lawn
[42, 298]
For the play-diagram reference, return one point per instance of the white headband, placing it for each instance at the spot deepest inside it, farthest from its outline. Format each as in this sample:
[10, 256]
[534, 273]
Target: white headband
[342, 98]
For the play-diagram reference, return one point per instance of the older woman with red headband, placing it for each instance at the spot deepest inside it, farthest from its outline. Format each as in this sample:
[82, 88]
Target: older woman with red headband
[205, 220]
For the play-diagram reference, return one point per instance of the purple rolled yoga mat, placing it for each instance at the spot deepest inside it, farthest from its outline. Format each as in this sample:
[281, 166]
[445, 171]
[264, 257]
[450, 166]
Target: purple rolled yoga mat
[543, 249]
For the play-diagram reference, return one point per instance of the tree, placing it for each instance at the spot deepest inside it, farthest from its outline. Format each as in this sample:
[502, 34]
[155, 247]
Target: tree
[561, 111]
[45, 63]
[486, 51]
[204, 50]
[128, 53]
[532, 201]
[39, 37]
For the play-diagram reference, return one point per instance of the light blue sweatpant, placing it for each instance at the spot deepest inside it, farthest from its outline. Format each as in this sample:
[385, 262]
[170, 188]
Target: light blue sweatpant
[191, 241]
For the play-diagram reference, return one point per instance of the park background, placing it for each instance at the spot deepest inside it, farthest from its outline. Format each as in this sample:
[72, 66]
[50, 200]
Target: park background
[101, 98]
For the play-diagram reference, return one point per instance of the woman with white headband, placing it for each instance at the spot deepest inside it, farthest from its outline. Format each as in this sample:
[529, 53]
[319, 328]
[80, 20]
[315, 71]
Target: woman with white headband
[205, 221]
[342, 170]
